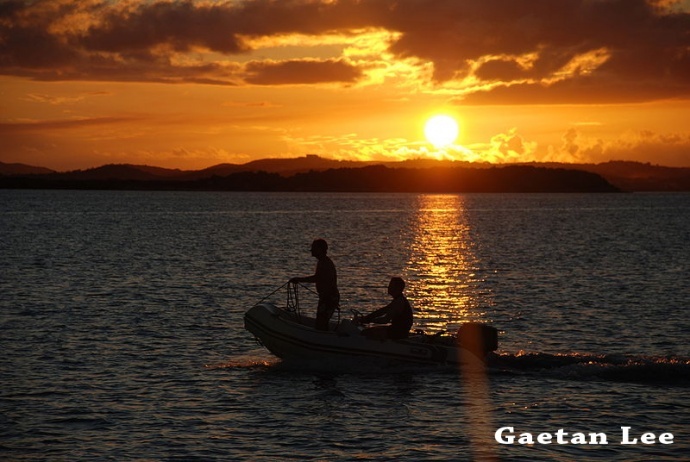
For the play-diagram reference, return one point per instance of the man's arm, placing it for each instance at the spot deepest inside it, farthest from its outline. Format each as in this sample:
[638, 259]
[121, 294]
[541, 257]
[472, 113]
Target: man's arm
[304, 279]
[312, 278]
[380, 316]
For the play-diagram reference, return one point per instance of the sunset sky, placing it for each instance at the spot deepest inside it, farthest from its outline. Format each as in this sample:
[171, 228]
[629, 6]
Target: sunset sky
[191, 84]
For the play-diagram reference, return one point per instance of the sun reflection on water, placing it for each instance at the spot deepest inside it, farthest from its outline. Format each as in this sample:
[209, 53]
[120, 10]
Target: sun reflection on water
[442, 269]
[447, 289]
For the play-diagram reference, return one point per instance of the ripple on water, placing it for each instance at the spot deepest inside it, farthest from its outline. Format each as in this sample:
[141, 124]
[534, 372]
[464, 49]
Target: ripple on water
[122, 324]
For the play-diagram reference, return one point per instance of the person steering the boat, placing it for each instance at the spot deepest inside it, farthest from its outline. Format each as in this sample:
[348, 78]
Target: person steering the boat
[326, 279]
[397, 314]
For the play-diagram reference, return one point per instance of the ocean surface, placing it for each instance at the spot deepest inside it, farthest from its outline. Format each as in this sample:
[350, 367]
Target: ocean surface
[122, 337]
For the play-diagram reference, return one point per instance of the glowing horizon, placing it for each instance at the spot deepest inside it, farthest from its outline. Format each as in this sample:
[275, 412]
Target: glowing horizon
[191, 84]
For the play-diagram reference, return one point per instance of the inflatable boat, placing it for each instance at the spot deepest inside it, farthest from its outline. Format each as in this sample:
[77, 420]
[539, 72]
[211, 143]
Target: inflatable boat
[292, 336]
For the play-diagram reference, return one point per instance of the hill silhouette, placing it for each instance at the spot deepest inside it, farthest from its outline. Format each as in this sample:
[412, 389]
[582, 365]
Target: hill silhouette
[22, 169]
[314, 172]
[635, 176]
[451, 179]
[311, 173]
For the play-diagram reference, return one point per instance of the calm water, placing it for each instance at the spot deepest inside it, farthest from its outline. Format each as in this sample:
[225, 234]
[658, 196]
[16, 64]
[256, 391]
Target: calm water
[122, 333]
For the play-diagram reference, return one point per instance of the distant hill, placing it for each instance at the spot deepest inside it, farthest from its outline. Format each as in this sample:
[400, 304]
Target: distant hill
[623, 175]
[443, 179]
[118, 172]
[22, 169]
[282, 166]
[635, 176]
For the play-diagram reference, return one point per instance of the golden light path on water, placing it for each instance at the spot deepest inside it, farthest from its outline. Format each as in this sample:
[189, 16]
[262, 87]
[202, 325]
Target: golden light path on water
[443, 270]
[442, 266]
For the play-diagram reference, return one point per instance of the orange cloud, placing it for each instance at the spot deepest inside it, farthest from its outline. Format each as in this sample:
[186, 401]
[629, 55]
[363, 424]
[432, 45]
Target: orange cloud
[669, 149]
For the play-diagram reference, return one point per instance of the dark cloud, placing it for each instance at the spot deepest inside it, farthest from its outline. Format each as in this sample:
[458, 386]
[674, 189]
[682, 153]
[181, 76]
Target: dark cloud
[301, 72]
[581, 90]
[179, 25]
[21, 127]
[646, 44]
[648, 48]
[500, 69]
[26, 41]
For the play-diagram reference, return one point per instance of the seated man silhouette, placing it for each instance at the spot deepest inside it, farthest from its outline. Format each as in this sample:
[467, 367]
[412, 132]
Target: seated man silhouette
[397, 314]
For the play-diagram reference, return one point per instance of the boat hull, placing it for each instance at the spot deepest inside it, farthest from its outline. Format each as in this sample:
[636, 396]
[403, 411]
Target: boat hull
[293, 338]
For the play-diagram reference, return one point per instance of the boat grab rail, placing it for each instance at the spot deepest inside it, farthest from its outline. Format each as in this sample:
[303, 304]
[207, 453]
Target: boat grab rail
[271, 294]
[292, 303]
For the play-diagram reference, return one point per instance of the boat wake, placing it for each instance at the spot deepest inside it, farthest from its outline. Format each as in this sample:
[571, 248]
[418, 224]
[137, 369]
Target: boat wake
[660, 370]
[245, 362]
[648, 370]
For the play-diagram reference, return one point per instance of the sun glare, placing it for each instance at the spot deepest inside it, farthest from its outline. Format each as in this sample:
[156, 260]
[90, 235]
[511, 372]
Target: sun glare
[441, 130]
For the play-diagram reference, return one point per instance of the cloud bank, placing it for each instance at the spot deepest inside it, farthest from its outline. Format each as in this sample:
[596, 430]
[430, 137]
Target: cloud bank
[479, 51]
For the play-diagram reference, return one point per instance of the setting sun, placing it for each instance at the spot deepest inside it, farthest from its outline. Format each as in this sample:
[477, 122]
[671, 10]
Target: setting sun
[190, 84]
[441, 130]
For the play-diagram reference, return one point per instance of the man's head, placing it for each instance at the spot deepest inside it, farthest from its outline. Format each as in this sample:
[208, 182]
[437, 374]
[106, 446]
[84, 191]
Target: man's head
[396, 286]
[319, 247]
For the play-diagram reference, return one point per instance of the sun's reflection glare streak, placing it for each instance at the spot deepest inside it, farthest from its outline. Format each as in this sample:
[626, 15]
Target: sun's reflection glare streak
[447, 291]
[442, 268]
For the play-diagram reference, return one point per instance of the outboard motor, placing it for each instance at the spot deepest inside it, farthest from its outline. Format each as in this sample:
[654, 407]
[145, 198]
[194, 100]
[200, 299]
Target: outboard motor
[478, 338]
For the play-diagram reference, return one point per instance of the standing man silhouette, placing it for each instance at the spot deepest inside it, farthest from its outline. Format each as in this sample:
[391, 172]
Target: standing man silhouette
[326, 279]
